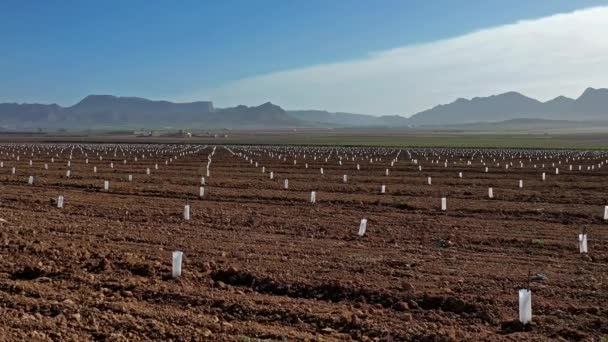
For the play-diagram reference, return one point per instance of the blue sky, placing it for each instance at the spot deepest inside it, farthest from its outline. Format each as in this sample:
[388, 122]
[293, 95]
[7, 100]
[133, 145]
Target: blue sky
[60, 51]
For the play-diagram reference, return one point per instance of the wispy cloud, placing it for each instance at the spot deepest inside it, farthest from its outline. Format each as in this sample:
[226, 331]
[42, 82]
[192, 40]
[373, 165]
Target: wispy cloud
[556, 55]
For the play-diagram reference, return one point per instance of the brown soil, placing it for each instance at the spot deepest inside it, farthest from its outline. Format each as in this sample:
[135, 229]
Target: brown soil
[261, 262]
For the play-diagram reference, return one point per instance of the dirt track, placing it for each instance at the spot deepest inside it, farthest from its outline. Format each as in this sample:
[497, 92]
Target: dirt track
[263, 262]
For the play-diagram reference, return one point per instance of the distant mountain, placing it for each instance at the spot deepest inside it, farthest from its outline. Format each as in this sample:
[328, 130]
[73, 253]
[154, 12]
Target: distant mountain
[265, 115]
[505, 106]
[325, 118]
[113, 109]
[29, 113]
[527, 125]
[392, 121]
[99, 111]
[591, 105]
[106, 111]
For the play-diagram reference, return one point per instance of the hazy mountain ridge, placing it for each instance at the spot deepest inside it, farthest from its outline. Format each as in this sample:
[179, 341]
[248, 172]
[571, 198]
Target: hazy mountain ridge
[113, 111]
[265, 115]
[341, 119]
[98, 111]
[591, 105]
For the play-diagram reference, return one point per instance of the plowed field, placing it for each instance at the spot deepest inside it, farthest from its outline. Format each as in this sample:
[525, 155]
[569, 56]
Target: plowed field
[262, 262]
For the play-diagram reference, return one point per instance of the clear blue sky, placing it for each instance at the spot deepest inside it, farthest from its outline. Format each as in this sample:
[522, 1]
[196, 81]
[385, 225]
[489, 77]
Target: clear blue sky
[59, 51]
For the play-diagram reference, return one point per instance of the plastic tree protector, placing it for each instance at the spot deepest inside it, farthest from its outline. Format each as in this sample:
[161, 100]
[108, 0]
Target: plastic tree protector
[362, 227]
[177, 264]
[187, 212]
[525, 306]
[582, 243]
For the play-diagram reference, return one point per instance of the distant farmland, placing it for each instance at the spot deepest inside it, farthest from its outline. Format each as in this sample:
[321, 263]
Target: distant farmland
[377, 138]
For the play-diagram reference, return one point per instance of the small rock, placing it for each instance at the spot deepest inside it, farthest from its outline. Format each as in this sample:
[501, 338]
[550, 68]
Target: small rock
[43, 280]
[354, 321]
[26, 316]
[68, 302]
[408, 287]
[206, 332]
[401, 306]
[442, 244]
[539, 277]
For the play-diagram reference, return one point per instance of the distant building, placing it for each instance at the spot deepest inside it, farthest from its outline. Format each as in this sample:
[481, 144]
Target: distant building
[159, 133]
[142, 133]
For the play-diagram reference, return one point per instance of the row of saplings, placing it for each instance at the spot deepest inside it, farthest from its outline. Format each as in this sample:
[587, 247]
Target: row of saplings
[525, 294]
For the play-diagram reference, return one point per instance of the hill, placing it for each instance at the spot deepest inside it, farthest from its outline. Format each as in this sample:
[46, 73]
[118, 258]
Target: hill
[339, 119]
[100, 111]
[591, 105]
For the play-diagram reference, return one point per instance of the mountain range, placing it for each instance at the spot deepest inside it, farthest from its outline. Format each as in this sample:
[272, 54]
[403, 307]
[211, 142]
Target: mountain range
[105, 111]
[325, 118]
[592, 105]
